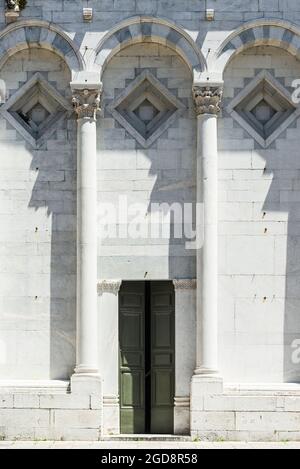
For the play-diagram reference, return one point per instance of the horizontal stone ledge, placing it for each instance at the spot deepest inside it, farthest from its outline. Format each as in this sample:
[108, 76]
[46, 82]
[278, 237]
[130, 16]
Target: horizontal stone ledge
[34, 387]
[268, 421]
[68, 401]
[68, 418]
[212, 421]
[239, 403]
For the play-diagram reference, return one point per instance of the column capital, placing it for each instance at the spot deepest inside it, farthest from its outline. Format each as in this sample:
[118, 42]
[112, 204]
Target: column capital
[86, 102]
[109, 286]
[87, 90]
[185, 284]
[207, 99]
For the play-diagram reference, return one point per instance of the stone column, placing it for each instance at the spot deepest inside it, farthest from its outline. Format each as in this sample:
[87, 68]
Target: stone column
[108, 323]
[86, 101]
[207, 106]
[185, 351]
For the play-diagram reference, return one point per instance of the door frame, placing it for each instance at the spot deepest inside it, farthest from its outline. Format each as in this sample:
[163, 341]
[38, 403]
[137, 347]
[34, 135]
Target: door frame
[185, 351]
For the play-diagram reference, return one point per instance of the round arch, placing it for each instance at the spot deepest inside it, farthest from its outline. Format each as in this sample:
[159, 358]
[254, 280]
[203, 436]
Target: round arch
[149, 29]
[275, 33]
[42, 34]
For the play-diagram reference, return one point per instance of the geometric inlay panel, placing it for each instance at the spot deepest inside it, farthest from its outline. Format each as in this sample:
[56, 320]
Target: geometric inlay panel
[35, 109]
[264, 108]
[146, 109]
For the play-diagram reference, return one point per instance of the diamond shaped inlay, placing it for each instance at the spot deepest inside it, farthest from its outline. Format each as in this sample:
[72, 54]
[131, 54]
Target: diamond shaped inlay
[263, 112]
[264, 109]
[35, 109]
[146, 112]
[146, 108]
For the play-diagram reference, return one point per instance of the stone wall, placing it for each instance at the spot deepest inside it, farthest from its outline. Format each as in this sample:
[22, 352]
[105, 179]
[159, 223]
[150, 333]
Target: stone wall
[258, 219]
[37, 235]
[51, 410]
[245, 413]
[259, 243]
[164, 173]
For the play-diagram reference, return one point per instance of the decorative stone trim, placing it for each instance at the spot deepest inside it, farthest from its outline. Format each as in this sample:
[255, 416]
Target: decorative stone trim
[169, 108]
[87, 14]
[109, 401]
[185, 284]
[52, 101]
[182, 401]
[273, 92]
[109, 286]
[207, 99]
[86, 103]
[13, 8]
[15, 5]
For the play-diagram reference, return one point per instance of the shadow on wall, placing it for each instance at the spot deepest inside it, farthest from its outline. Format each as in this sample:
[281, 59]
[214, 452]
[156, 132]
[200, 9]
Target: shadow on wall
[282, 198]
[38, 292]
[55, 188]
[272, 188]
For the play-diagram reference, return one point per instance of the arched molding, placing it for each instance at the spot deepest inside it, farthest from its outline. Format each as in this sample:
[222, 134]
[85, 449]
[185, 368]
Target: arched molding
[143, 29]
[29, 34]
[276, 33]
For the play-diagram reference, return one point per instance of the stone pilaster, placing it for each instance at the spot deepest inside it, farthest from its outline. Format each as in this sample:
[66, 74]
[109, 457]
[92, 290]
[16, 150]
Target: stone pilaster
[185, 351]
[108, 324]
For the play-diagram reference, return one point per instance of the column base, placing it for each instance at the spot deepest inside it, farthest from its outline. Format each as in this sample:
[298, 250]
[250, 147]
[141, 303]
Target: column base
[202, 385]
[111, 415]
[86, 370]
[182, 415]
[86, 383]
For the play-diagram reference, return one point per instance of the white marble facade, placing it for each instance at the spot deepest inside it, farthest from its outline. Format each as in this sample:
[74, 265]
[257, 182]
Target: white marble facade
[218, 124]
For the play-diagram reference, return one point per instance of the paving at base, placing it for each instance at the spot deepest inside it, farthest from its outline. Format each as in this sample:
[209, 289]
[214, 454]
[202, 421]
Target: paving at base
[102, 445]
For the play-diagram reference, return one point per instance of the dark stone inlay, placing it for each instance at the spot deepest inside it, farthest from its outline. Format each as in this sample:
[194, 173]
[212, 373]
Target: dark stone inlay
[174, 36]
[229, 46]
[62, 45]
[146, 29]
[123, 35]
[33, 33]
[266, 32]
[247, 36]
[288, 36]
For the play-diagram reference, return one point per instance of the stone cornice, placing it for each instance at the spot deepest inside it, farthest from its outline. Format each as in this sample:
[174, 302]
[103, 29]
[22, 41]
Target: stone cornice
[207, 99]
[86, 102]
[185, 284]
[109, 286]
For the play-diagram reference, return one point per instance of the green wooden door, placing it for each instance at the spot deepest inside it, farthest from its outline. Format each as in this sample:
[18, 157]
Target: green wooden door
[132, 357]
[162, 357]
[147, 355]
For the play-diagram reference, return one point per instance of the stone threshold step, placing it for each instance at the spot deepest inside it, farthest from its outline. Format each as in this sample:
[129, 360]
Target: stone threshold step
[147, 437]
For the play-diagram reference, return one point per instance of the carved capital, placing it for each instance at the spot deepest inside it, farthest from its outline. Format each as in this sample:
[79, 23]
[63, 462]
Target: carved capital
[86, 102]
[207, 99]
[186, 284]
[109, 286]
[15, 5]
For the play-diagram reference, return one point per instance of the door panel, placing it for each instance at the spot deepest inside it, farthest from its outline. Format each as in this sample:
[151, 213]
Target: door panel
[147, 354]
[132, 357]
[162, 357]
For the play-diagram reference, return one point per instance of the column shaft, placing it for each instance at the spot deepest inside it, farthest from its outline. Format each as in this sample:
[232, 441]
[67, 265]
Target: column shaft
[207, 107]
[86, 103]
[86, 247]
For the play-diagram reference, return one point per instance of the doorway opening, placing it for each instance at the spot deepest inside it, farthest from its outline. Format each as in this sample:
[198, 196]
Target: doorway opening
[147, 357]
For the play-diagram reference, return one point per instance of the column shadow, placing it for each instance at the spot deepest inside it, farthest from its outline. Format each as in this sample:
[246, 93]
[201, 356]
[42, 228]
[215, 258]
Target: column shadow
[55, 188]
